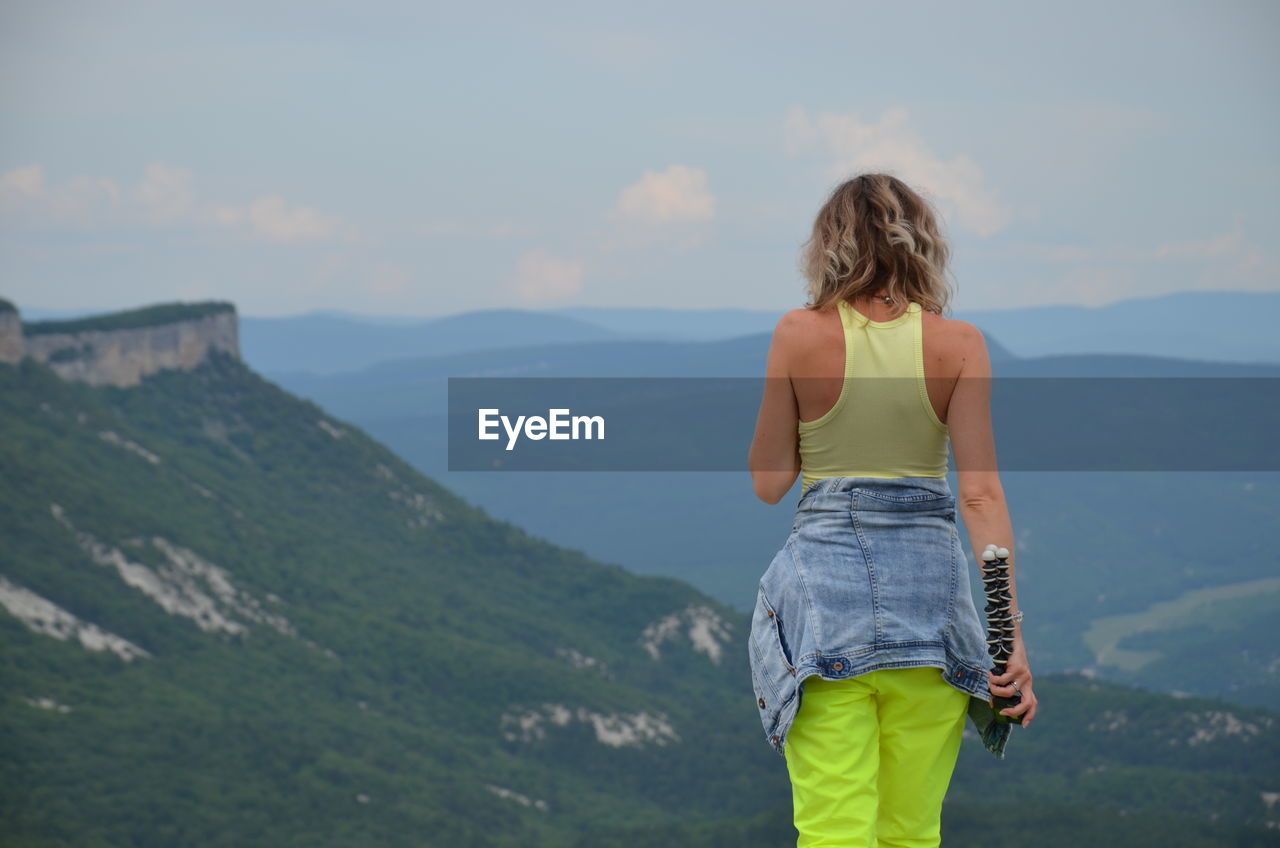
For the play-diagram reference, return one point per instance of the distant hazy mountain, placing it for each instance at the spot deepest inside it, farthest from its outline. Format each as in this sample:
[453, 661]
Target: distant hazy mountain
[1211, 326]
[330, 343]
[686, 324]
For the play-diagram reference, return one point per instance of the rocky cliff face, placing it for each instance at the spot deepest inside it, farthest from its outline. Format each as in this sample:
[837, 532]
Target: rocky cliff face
[122, 348]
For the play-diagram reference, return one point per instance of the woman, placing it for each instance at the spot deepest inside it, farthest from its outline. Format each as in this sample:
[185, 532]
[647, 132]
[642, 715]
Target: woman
[866, 649]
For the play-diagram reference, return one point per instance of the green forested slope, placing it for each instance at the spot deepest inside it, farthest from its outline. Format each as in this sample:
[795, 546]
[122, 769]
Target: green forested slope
[340, 652]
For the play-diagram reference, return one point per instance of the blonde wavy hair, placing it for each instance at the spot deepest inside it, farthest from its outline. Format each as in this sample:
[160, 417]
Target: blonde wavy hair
[873, 233]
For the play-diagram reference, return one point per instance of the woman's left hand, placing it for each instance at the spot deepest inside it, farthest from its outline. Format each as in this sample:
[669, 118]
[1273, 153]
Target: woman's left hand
[1018, 670]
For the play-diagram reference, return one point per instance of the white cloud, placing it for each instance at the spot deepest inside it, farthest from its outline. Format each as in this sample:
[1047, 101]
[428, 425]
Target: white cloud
[26, 199]
[1218, 262]
[165, 197]
[894, 146]
[274, 220]
[542, 276]
[1229, 261]
[24, 181]
[678, 194]
[1097, 285]
[670, 208]
[1224, 244]
[165, 194]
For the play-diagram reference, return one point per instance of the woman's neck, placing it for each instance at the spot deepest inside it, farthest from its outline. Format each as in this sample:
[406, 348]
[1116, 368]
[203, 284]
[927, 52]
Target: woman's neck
[874, 307]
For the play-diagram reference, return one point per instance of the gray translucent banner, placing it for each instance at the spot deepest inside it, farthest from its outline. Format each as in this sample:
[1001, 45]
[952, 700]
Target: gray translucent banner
[707, 423]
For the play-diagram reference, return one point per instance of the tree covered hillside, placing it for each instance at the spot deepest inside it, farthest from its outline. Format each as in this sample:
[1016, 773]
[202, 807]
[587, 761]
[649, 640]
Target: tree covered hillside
[327, 646]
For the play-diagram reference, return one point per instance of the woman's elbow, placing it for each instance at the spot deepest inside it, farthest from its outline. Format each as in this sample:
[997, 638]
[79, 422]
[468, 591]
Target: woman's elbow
[769, 488]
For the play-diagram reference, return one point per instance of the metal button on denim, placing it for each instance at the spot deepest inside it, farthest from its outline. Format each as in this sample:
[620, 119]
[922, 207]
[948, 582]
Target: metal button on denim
[762, 703]
[837, 666]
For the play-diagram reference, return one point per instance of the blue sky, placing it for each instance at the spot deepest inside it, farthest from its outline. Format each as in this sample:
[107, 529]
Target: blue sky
[421, 159]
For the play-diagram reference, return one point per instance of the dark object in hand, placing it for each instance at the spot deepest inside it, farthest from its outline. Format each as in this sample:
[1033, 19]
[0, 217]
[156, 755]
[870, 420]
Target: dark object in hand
[995, 583]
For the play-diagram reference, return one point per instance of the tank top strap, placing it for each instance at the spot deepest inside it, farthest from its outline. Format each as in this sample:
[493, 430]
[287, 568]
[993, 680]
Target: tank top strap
[846, 314]
[849, 323]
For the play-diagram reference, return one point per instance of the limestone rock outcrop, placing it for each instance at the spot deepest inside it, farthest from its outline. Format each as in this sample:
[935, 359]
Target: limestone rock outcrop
[120, 349]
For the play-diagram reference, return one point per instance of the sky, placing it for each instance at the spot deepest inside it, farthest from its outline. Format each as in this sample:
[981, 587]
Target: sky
[421, 159]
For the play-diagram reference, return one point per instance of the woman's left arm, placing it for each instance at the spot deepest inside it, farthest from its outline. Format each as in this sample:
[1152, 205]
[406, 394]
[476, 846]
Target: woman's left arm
[774, 459]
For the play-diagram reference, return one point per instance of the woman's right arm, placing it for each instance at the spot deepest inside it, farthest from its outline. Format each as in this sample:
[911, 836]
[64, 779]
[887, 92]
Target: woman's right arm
[981, 499]
[774, 456]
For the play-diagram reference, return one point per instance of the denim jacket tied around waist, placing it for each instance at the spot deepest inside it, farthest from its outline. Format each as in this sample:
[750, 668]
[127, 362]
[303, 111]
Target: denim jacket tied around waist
[871, 576]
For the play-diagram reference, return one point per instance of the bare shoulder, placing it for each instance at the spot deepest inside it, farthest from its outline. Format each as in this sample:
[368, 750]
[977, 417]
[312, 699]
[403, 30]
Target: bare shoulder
[954, 334]
[967, 334]
[796, 325]
[970, 347]
[794, 319]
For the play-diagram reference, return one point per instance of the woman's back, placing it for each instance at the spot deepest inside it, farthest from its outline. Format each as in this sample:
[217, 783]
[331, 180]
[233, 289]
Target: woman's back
[810, 350]
[819, 352]
[873, 389]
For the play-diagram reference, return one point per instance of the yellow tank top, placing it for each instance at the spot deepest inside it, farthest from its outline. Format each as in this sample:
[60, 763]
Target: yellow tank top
[877, 427]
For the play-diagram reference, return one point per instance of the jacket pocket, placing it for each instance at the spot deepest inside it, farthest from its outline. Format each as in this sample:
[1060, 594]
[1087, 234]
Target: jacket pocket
[772, 669]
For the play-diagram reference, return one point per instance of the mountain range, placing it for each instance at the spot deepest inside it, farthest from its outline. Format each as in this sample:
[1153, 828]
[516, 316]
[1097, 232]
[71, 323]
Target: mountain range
[1205, 326]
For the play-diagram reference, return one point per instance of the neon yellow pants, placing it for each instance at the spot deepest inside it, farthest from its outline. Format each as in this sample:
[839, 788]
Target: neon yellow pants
[870, 758]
